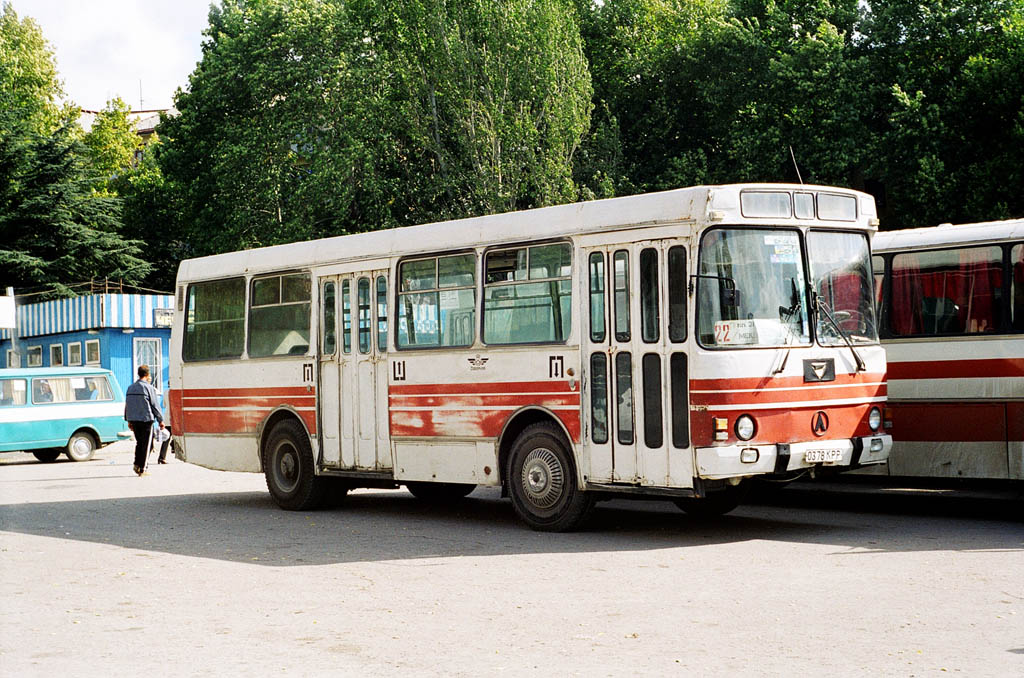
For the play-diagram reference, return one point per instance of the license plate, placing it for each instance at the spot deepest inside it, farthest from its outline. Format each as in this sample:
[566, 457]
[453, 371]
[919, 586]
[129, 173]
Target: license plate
[816, 456]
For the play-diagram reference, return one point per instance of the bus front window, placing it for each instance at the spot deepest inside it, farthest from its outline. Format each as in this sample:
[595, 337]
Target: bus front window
[841, 275]
[751, 289]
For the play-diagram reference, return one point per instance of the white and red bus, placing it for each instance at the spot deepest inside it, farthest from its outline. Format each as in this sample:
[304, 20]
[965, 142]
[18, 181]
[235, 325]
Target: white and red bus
[672, 344]
[952, 309]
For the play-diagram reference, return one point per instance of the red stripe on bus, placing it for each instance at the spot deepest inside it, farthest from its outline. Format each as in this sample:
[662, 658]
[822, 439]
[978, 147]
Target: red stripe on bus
[174, 400]
[771, 382]
[268, 391]
[234, 422]
[951, 422]
[488, 387]
[465, 423]
[783, 425]
[957, 369]
[508, 400]
[771, 396]
[250, 401]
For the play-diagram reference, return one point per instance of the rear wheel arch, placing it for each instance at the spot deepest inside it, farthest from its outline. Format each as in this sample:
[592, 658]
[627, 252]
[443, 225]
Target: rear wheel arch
[276, 417]
[519, 422]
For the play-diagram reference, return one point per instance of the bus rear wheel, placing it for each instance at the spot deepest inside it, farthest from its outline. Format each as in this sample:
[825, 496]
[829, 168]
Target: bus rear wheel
[81, 446]
[289, 469]
[542, 481]
[439, 493]
[47, 456]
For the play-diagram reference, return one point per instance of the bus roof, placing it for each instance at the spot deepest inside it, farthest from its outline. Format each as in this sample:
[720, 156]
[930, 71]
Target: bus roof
[949, 234]
[682, 205]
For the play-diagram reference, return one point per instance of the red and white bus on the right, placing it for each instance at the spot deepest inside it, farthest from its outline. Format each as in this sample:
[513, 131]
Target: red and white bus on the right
[951, 301]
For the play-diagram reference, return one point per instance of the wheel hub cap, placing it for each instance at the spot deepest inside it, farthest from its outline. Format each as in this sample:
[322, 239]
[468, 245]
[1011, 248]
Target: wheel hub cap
[543, 477]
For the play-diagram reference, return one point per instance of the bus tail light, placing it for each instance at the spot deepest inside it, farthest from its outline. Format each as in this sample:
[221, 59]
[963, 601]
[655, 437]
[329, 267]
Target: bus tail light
[721, 425]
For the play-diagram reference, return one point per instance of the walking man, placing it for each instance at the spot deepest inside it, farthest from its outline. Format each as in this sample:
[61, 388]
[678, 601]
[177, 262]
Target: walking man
[140, 411]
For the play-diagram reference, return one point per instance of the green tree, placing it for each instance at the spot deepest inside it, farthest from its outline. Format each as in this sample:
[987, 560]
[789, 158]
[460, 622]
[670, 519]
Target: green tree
[309, 118]
[54, 231]
[112, 141]
[948, 91]
[29, 85]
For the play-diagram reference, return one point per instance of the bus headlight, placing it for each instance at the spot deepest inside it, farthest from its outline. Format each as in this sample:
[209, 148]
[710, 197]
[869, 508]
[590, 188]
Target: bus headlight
[745, 427]
[874, 419]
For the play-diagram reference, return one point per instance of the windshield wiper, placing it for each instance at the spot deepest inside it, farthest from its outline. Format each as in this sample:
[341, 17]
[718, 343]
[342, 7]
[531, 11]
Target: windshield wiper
[823, 307]
[787, 314]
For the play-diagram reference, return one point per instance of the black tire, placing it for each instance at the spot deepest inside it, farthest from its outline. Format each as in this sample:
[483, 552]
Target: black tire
[289, 469]
[439, 493]
[716, 503]
[47, 455]
[81, 446]
[542, 481]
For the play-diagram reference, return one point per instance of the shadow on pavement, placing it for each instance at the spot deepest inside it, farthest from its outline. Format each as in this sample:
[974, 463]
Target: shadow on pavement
[392, 525]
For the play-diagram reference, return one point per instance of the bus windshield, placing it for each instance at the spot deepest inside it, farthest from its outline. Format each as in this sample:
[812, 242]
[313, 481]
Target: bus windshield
[751, 289]
[841, 277]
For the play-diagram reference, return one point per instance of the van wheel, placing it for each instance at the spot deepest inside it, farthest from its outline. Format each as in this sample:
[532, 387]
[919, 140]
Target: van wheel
[439, 493]
[542, 481]
[81, 447]
[288, 467]
[47, 455]
[716, 503]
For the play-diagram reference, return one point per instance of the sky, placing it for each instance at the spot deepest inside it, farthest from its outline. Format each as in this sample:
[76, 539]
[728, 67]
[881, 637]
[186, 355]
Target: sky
[104, 48]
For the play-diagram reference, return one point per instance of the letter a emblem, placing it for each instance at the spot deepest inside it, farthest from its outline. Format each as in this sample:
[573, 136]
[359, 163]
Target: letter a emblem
[819, 423]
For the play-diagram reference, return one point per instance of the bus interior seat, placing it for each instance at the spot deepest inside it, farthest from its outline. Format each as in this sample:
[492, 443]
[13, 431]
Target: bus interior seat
[940, 315]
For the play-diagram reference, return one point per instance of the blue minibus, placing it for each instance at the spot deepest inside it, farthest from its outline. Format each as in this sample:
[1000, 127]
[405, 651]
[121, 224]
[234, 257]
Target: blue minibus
[53, 410]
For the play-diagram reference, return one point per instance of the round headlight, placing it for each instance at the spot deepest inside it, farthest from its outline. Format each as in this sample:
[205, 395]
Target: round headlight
[874, 419]
[745, 427]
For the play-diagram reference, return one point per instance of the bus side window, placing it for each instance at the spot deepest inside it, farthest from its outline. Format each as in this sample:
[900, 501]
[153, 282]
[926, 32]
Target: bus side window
[677, 294]
[620, 263]
[363, 302]
[1017, 288]
[346, 316]
[328, 342]
[382, 314]
[650, 316]
[597, 316]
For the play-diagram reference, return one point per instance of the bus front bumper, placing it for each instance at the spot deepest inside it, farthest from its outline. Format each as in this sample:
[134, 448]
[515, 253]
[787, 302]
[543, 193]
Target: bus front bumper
[746, 460]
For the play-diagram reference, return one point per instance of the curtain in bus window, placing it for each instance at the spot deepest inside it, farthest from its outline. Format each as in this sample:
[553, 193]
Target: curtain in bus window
[906, 295]
[947, 291]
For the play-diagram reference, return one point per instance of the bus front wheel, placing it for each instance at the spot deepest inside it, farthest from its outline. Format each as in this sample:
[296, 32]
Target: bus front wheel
[46, 455]
[289, 469]
[542, 481]
[81, 446]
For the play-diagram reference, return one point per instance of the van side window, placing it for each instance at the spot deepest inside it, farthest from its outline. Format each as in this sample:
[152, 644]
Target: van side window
[12, 392]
